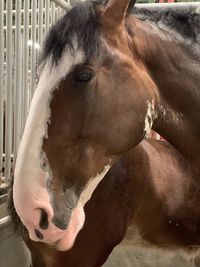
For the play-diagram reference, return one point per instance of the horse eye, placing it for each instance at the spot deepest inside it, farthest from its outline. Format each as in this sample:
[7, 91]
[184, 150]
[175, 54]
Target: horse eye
[83, 75]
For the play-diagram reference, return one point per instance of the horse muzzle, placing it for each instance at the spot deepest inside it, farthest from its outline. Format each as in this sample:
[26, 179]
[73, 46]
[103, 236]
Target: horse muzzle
[49, 233]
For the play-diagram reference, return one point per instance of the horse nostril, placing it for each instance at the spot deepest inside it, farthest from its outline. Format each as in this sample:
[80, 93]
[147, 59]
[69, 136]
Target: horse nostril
[38, 234]
[44, 223]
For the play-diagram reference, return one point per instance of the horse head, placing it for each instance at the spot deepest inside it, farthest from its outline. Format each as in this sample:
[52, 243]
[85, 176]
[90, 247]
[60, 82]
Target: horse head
[94, 101]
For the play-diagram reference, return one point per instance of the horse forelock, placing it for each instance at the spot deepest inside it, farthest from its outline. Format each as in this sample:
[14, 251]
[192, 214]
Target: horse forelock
[81, 21]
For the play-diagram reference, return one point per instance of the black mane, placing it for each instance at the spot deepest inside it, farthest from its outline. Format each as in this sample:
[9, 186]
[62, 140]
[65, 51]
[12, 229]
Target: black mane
[185, 21]
[80, 22]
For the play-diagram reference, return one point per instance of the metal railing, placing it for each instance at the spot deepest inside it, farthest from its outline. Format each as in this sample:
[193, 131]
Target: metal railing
[177, 6]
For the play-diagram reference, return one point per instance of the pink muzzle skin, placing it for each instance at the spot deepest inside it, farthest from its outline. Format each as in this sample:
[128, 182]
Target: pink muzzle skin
[29, 204]
[30, 197]
[62, 240]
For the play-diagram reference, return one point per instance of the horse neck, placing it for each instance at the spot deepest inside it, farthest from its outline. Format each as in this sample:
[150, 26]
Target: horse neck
[176, 73]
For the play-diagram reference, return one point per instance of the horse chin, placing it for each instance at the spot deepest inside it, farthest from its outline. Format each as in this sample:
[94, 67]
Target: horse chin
[75, 225]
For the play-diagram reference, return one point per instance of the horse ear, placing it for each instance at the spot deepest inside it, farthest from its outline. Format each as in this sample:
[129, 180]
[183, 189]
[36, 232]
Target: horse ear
[130, 7]
[115, 12]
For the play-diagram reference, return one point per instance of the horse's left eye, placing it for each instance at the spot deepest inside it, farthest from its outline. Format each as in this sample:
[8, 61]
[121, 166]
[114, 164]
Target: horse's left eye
[83, 75]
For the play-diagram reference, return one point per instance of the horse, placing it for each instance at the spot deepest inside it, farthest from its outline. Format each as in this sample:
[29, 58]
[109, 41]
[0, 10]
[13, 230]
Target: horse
[86, 175]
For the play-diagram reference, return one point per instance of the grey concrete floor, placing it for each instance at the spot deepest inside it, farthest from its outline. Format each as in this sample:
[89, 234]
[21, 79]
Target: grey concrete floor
[3, 210]
[125, 255]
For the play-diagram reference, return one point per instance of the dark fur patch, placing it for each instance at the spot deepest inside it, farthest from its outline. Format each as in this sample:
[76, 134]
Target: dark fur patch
[185, 21]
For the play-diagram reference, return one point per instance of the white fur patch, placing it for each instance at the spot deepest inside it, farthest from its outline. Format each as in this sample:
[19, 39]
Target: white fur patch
[29, 177]
[92, 185]
[149, 118]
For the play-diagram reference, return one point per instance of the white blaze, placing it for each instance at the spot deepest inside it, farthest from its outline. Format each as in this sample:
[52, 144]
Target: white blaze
[29, 178]
[92, 185]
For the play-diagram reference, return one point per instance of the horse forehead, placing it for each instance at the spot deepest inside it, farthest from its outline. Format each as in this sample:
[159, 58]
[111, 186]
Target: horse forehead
[40, 113]
[57, 69]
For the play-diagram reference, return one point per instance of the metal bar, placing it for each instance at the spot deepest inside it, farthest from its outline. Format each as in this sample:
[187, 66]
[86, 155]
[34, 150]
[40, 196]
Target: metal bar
[52, 13]
[62, 4]
[47, 6]
[3, 198]
[4, 222]
[56, 14]
[40, 22]
[33, 50]
[18, 78]
[4, 189]
[25, 97]
[1, 86]
[158, 6]
[9, 91]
